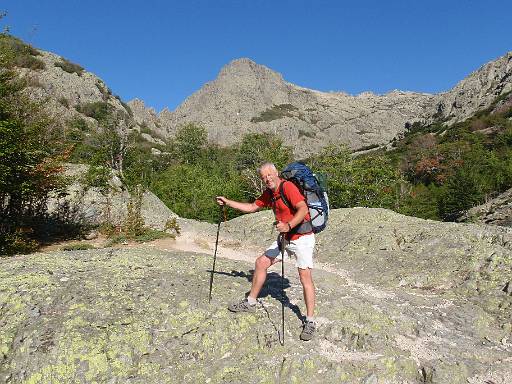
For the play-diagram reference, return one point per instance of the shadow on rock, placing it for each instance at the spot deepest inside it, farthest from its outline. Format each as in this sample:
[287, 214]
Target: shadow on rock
[274, 287]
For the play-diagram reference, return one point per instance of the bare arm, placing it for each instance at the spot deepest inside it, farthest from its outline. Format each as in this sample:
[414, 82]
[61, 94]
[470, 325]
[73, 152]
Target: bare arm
[300, 214]
[244, 207]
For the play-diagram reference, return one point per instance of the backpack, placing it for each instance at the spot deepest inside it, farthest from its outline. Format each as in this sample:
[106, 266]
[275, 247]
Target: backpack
[313, 188]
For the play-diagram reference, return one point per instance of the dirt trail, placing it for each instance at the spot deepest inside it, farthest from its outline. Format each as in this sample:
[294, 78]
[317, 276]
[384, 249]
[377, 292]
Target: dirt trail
[194, 242]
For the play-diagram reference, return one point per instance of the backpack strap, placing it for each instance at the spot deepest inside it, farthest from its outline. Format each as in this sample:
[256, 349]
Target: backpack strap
[305, 226]
[282, 195]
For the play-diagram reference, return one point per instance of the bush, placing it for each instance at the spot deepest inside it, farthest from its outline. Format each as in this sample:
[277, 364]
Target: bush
[30, 62]
[98, 110]
[369, 181]
[126, 107]
[98, 177]
[77, 247]
[257, 148]
[19, 53]
[190, 190]
[152, 234]
[64, 102]
[69, 67]
[190, 143]
[304, 133]
[274, 113]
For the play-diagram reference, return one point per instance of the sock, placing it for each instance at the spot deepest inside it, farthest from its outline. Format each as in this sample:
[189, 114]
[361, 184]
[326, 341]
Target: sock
[310, 318]
[251, 300]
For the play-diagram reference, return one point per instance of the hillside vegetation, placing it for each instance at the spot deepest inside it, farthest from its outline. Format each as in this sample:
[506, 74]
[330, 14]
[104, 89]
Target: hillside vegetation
[433, 171]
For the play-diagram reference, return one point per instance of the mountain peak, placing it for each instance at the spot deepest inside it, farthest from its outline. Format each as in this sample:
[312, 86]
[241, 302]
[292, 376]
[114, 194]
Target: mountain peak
[245, 67]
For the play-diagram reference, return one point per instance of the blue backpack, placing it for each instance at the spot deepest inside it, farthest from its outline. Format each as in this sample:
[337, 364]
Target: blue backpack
[314, 190]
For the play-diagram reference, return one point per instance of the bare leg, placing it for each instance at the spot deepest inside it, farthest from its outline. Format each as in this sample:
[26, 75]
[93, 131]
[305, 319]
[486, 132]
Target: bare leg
[260, 274]
[308, 287]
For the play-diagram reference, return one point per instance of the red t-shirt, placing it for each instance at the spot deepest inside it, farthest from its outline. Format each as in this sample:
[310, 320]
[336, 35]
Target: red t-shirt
[282, 212]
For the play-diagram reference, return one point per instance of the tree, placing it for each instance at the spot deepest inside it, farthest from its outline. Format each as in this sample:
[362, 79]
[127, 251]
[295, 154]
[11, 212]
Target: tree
[369, 181]
[29, 160]
[190, 190]
[190, 142]
[257, 148]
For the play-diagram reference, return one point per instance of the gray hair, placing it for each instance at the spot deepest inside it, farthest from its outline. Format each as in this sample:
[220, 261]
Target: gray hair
[267, 165]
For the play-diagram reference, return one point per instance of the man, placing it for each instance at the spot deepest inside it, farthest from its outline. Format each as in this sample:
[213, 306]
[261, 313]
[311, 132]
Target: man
[299, 245]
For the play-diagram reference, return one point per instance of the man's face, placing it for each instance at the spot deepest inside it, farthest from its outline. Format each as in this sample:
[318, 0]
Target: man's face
[270, 177]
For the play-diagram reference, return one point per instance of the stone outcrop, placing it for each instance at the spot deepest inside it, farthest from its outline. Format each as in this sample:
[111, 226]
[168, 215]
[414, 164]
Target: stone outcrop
[497, 211]
[95, 205]
[400, 300]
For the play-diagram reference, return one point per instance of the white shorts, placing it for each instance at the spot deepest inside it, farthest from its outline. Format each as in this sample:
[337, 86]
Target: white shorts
[301, 249]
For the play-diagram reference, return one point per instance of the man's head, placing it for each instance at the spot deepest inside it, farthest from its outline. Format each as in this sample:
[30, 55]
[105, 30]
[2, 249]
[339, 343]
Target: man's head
[269, 175]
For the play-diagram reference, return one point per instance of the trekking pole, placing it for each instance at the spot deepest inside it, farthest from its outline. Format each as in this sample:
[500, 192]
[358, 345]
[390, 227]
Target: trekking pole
[222, 215]
[282, 235]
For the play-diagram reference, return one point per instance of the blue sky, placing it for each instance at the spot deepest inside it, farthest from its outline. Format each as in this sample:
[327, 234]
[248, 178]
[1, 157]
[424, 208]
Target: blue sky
[162, 51]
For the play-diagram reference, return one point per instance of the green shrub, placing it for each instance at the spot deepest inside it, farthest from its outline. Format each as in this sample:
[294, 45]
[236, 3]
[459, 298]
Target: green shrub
[98, 110]
[134, 223]
[69, 67]
[16, 243]
[368, 147]
[104, 90]
[77, 247]
[20, 54]
[150, 235]
[98, 177]
[172, 225]
[190, 143]
[108, 229]
[30, 160]
[190, 190]
[127, 108]
[116, 239]
[257, 148]
[30, 62]
[274, 113]
[64, 102]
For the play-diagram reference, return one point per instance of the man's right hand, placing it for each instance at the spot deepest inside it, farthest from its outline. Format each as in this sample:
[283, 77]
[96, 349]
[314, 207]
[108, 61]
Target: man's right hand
[221, 200]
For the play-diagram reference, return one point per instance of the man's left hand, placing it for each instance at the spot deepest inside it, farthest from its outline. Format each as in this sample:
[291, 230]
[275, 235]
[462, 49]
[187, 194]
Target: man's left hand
[283, 227]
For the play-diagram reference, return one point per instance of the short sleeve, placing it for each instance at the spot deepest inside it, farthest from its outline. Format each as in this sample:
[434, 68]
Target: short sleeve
[265, 200]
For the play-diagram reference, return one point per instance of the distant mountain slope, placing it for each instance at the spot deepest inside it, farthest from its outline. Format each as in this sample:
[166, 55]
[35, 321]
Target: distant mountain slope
[248, 97]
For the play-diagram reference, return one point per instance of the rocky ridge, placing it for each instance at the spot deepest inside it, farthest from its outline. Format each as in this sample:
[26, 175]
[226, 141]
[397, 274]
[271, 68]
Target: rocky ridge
[400, 300]
[248, 97]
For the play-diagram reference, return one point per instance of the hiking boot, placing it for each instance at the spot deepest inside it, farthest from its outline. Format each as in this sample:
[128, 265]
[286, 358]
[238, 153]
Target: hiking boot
[242, 306]
[308, 331]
